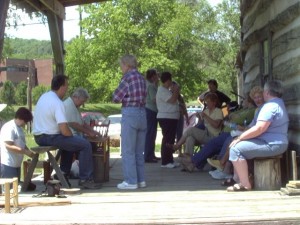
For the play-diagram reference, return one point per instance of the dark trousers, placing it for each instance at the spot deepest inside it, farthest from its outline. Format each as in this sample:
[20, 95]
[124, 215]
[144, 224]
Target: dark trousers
[149, 152]
[168, 128]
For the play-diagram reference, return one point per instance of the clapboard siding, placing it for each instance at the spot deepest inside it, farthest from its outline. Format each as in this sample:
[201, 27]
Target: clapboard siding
[279, 22]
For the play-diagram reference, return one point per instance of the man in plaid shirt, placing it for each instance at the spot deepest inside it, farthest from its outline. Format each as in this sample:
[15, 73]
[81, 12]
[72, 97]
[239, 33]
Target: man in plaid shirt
[131, 92]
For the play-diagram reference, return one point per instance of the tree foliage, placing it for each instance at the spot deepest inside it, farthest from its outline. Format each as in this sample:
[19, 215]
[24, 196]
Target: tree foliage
[37, 92]
[21, 93]
[7, 93]
[186, 37]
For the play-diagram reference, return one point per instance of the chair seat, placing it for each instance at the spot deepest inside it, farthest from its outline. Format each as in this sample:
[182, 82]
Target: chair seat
[42, 149]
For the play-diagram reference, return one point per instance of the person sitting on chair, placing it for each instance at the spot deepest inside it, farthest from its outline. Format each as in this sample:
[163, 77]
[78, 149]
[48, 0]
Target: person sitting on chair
[50, 128]
[212, 118]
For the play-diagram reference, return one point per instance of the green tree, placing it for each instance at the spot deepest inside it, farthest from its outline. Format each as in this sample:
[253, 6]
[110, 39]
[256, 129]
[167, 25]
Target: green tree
[37, 92]
[7, 93]
[21, 93]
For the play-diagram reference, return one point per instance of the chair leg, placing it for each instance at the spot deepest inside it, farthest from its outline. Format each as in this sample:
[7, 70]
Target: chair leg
[31, 168]
[59, 174]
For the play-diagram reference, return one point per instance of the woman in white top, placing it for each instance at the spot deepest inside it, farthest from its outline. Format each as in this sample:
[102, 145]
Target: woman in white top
[168, 115]
[212, 118]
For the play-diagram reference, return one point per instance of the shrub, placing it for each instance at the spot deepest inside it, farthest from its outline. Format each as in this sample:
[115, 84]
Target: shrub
[21, 93]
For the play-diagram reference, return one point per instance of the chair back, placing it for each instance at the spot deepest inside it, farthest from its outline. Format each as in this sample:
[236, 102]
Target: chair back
[102, 128]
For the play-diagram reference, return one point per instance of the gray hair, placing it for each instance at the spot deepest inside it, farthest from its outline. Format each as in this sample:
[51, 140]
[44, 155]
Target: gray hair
[81, 93]
[129, 60]
[274, 87]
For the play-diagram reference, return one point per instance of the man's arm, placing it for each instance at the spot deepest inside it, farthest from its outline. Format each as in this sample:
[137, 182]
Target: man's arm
[85, 129]
[64, 129]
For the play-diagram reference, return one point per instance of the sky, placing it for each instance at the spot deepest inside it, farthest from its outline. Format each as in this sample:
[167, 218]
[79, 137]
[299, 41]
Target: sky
[32, 29]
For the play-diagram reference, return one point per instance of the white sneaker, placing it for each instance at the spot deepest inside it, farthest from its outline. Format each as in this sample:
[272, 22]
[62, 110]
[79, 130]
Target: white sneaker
[142, 184]
[125, 186]
[169, 165]
[219, 175]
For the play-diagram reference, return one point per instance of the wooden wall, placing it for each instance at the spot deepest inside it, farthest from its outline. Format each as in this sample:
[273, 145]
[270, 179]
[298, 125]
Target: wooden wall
[278, 22]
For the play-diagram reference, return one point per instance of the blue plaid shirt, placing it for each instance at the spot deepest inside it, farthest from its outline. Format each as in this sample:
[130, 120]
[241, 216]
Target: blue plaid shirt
[131, 91]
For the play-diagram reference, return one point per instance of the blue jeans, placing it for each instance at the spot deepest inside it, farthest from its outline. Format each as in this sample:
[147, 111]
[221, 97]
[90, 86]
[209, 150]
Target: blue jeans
[133, 135]
[210, 149]
[10, 172]
[225, 146]
[149, 152]
[249, 149]
[70, 145]
[168, 129]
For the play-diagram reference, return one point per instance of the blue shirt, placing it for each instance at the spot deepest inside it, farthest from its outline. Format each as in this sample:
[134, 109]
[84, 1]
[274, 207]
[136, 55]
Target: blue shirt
[274, 111]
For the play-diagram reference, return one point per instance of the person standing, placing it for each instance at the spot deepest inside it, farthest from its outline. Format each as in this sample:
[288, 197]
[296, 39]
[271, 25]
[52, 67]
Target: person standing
[132, 92]
[50, 128]
[151, 114]
[168, 115]
[13, 144]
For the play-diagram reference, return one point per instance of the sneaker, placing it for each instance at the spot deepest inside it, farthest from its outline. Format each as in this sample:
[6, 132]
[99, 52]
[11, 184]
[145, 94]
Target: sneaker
[142, 184]
[215, 163]
[169, 166]
[89, 184]
[125, 186]
[220, 175]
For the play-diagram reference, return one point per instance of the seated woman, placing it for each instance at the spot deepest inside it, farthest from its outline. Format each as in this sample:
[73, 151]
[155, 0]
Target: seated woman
[268, 137]
[212, 118]
[214, 146]
[223, 172]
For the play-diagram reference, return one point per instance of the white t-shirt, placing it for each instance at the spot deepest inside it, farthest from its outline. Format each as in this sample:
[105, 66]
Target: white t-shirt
[48, 113]
[72, 114]
[166, 110]
[11, 132]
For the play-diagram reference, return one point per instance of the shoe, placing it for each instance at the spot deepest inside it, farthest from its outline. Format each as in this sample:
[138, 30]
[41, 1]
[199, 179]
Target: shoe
[215, 163]
[142, 184]
[31, 186]
[125, 186]
[219, 175]
[150, 161]
[55, 177]
[169, 165]
[188, 166]
[89, 184]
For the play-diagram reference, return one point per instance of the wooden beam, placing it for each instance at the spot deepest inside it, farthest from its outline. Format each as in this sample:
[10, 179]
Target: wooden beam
[35, 4]
[57, 40]
[3, 14]
[56, 7]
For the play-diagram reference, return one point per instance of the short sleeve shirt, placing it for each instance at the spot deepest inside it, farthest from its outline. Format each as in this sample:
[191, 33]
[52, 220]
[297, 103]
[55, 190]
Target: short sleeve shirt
[217, 114]
[11, 132]
[166, 109]
[48, 114]
[274, 111]
[72, 114]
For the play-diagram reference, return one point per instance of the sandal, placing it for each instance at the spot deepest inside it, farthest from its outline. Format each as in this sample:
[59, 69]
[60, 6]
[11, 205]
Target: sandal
[228, 182]
[236, 188]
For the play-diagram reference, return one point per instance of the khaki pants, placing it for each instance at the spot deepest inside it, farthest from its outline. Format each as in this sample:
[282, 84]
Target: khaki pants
[195, 136]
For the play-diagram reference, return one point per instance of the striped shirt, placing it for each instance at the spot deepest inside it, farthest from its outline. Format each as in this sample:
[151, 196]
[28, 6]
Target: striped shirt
[131, 91]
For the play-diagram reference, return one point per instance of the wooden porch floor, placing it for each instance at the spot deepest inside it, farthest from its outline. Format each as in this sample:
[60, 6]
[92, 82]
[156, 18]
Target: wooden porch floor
[172, 197]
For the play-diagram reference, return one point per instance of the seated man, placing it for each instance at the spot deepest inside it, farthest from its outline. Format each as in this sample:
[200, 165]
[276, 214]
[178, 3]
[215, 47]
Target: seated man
[75, 122]
[213, 88]
[50, 128]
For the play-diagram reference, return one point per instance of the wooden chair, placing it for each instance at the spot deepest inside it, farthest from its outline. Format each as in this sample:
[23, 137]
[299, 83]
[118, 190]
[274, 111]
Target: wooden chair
[39, 150]
[101, 149]
[8, 194]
